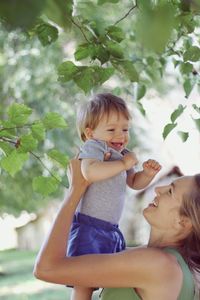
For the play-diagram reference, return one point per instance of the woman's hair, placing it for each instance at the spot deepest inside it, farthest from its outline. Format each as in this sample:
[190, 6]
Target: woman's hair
[101, 105]
[190, 248]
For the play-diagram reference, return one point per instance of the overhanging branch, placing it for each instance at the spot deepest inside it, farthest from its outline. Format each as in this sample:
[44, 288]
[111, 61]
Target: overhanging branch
[128, 13]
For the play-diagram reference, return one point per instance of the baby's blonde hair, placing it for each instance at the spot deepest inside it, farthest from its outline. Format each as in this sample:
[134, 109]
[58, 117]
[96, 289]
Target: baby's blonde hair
[90, 114]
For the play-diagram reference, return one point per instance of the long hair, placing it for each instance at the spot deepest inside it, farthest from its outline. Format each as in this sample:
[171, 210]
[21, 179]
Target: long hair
[190, 247]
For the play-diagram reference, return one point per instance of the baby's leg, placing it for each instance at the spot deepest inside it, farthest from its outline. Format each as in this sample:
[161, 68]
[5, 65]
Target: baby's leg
[81, 293]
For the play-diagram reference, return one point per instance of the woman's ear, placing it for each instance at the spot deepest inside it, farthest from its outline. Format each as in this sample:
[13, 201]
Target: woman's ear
[88, 133]
[185, 226]
[185, 222]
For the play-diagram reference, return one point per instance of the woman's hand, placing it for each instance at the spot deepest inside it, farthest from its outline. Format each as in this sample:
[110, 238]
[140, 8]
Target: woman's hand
[74, 174]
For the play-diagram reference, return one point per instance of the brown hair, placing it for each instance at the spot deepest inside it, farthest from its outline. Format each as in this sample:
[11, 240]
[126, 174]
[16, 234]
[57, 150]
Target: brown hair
[91, 113]
[190, 248]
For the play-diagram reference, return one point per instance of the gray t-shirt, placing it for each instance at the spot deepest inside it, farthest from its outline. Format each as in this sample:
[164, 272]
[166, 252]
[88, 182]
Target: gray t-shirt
[103, 199]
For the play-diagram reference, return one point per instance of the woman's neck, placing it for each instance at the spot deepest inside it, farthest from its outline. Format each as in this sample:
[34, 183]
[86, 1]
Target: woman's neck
[161, 240]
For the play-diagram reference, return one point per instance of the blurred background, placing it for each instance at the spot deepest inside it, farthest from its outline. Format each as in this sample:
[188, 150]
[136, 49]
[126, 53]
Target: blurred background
[55, 55]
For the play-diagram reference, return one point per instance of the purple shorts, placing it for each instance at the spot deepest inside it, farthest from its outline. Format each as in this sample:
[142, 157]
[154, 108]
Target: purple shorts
[91, 235]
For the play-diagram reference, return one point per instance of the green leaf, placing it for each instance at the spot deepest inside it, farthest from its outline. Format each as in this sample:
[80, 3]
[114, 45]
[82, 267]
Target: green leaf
[102, 74]
[14, 162]
[101, 53]
[177, 113]
[60, 12]
[140, 92]
[84, 78]
[46, 33]
[192, 54]
[38, 131]
[100, 2]
[186, 68]
[187, 21]
[54, 120]
[6, 148]
[167, 129]
[176, 62]
[27, 143]
[89, 77]
[83, 51]
[183, 135]
[154, 24]
[8, 129]
[45, 185]
[19, 114]
[66, 71]
[150, 60]
[115, 33]
[196, 108]
[20, 13]
[61, 158]
[114, 49]
[129, 70]
[197, 123]
[188, 86]
[141, 108]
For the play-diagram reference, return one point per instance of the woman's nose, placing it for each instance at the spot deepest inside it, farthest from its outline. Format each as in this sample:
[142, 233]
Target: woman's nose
[157, 190]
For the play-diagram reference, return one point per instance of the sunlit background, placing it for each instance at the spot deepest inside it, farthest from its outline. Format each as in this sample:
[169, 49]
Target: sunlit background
[28, 74]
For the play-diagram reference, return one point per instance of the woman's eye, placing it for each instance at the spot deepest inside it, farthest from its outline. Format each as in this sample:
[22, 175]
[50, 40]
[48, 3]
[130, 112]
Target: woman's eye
[110, 129]
[125, 130]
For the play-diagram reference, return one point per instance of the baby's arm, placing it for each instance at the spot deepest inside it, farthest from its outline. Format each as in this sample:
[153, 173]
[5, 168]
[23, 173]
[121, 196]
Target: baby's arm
[141, 179]
[96, 170]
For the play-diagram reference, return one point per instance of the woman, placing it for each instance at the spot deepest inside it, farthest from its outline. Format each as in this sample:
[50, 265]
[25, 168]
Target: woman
[157, 271]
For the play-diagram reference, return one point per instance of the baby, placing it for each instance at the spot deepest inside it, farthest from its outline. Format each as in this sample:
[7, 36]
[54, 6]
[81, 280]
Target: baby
[103, 125]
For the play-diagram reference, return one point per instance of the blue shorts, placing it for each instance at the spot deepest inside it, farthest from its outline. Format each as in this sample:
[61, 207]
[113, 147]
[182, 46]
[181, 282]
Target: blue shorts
[91, 235]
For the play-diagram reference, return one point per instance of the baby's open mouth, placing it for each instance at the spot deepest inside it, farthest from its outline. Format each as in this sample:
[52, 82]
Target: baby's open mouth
[117, 145]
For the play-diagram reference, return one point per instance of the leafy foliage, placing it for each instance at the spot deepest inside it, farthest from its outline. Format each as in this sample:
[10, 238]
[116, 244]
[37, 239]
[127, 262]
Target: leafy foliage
[29, 96]
[169, 127]
[162, 28]
[45, 185]
[25, 138]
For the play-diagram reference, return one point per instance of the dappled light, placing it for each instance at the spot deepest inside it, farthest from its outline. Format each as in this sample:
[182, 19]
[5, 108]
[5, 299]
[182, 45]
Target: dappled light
[54, 56]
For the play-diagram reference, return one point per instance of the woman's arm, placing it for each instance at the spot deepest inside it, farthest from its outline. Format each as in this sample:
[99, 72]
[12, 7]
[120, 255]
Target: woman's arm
[141, 268]
[54, 247]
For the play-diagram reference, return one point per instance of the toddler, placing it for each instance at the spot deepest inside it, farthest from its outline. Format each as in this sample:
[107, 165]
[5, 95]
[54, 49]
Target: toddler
[103, 125]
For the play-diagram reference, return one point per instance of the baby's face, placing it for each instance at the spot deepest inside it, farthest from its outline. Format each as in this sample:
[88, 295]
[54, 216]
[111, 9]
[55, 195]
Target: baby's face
[114, 130]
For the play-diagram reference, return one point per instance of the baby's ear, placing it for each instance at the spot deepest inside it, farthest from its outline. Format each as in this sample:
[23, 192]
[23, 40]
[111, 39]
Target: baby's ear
[88, 133]
[107, 156]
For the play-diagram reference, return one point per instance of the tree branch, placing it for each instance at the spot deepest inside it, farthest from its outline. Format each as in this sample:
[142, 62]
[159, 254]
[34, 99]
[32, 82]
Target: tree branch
[7, 140]
[81, 29]
[45, 167]
[34, 155]
[16, 127]
[126, 15]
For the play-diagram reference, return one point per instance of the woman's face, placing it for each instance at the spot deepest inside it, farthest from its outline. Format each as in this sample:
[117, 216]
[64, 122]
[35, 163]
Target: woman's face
[163, 212]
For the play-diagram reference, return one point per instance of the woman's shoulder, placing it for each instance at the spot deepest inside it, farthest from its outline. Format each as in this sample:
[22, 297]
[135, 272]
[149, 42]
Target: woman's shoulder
[156, 272]
[163, 264]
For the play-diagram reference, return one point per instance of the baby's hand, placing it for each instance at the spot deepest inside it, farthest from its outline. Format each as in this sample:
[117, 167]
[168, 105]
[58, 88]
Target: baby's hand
[129, 159]
[151, 167]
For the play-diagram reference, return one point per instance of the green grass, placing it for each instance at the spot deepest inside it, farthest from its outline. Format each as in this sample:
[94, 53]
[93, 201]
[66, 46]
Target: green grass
[18, 283]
